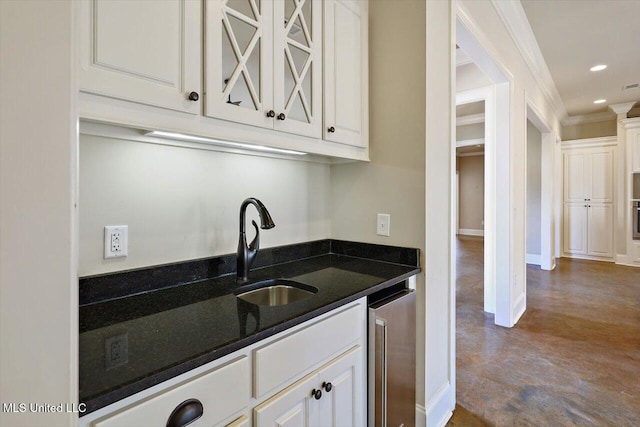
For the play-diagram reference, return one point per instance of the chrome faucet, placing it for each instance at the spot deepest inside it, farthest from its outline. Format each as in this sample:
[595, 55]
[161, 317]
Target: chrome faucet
[247, 253]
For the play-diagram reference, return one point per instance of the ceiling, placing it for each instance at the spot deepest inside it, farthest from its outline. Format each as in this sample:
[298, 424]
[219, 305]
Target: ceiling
[575, 35]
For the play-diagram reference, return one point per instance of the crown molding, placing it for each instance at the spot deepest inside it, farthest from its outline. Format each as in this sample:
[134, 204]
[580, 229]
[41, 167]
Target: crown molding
[515, 20]
[589, 118]
[471, 119]
[605, 141]
[622, 108]
[631, 123]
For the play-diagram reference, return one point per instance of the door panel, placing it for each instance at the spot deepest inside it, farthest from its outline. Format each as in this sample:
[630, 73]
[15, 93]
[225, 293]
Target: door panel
[575, 165]
[601, 176]
[343, 71]
[238, 73]
[297, 66]
[142, 51]
[601, 230]
[575, 228]
[293, 407]
[340, 407]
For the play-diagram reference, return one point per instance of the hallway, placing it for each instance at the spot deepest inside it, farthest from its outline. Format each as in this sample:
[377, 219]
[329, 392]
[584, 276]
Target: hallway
[573, 358]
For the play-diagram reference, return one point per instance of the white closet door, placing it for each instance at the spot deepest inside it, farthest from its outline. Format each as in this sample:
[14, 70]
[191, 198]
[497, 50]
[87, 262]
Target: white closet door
[601, 230]
[575, 228]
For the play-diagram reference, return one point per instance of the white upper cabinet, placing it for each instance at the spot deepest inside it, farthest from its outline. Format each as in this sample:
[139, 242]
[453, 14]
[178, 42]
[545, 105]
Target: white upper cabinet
[263, 63]
[239, 61]
[142, 51]
[588, 175]
[286, 74]
[345, 85]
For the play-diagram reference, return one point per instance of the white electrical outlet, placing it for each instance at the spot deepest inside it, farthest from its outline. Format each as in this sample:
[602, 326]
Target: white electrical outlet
[384, 224]
[116, 239]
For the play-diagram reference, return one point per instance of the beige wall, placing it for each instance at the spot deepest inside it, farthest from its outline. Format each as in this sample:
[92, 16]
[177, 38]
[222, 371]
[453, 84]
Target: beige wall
[183, 203]
[394, 181]
[534, 189]
[589, 130]
[473, 131]
[471, 196]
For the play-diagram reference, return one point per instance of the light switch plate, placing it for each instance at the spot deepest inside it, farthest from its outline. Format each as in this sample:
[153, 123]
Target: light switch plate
[384, 225]
[116, 241]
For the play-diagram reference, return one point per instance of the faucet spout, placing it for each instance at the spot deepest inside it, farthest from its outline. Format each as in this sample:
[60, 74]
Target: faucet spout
[247, 253]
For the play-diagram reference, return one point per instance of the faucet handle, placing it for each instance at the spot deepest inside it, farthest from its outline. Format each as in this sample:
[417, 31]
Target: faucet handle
[255, 243]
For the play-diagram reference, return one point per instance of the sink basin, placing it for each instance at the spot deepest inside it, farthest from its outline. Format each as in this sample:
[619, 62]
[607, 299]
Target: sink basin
[275, 292]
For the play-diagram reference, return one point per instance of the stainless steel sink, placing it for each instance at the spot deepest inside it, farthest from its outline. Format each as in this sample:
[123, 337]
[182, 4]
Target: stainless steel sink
[275, 292]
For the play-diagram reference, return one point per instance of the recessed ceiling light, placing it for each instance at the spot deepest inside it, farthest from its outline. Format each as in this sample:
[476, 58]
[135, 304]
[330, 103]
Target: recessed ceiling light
[599, 101]
[599, 67]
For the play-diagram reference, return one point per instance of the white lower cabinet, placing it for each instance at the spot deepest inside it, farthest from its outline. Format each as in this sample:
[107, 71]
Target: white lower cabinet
[294, 407]
[330, 397]
[343, 404]
[216, 403]
[588, 229]
[269, 383]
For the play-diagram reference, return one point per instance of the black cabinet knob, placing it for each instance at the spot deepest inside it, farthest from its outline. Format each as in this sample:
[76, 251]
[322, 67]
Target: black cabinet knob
[317, 394]
[185, 413]
[327, 387]
[331, 129]
[193, 96]
[271, 113]
[281, 116]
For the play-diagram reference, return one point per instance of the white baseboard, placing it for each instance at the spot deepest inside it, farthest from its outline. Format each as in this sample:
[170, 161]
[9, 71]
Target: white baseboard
[438, 411]
[588, 258]
[421, 416]
[519, 308]
[534, 259]
[471, 232]
[624, 260]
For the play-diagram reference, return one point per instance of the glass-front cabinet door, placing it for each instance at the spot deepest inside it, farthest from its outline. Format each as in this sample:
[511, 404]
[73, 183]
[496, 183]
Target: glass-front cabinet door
[264, 65]
[297, 66]
[239, 61]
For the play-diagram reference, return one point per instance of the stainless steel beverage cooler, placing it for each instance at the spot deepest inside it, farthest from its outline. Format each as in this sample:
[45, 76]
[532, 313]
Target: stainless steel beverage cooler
[392, 362]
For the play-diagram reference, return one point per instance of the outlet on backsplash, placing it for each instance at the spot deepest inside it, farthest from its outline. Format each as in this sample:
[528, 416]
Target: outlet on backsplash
[116, 239]
[116, 351]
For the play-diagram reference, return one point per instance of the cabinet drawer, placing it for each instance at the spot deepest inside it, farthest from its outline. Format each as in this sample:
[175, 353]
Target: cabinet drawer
[222, 392]
[295, 354]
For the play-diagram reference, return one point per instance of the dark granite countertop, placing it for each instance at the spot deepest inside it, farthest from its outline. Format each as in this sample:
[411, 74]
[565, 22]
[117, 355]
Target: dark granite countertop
[169, 331]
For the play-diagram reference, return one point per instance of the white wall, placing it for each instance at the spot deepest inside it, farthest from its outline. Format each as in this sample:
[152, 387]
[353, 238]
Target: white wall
[469, 76]
[38, 281]
[183, 203]
[534, 189]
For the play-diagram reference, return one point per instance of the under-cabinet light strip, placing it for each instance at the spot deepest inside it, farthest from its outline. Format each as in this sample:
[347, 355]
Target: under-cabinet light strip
[192, 138]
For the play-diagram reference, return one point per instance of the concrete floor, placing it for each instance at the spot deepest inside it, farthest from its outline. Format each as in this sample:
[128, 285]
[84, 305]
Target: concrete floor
[572, 359]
